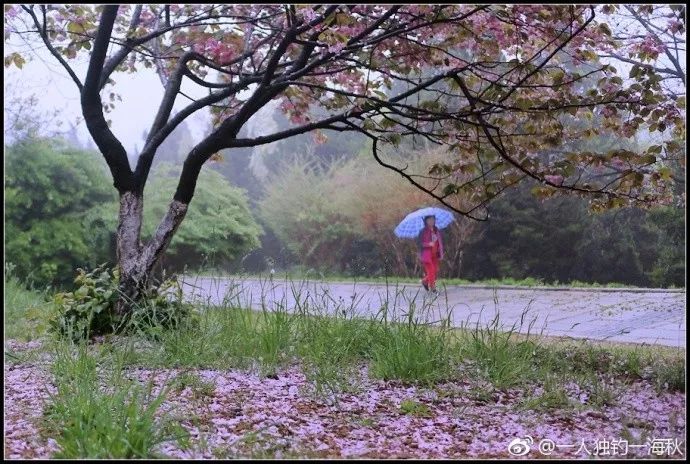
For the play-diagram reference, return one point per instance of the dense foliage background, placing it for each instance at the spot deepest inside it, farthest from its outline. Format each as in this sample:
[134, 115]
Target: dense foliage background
[51, 192]
[61, 214]
[327, 206]
[330, 212]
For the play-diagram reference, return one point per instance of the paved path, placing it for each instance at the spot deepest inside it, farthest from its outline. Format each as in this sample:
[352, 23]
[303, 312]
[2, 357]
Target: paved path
[650, 316]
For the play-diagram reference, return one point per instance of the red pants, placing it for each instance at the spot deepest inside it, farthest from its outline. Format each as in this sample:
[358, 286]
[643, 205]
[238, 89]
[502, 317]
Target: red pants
[431, 269]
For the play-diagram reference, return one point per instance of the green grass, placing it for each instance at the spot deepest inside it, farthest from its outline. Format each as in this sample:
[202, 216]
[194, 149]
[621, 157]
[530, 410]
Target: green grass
[198, 386]
[26, 311]
[480, 394]
[413, 354]
[414, 408]
[98, 413]
[499, 356]
[602, 393]
[332, 350]
[365, 422]
[669, 373]
[554, 397]
[112, 418]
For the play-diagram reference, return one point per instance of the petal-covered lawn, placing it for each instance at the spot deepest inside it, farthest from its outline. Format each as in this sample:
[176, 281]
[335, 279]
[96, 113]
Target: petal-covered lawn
[26, 388]
[240, 413]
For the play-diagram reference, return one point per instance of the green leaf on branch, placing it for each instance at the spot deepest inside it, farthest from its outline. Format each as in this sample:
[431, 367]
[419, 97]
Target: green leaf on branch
[665, 173]
[450, 189]
[74, 28]
[523, 103]
[18, 60]
[540, 191]
[394, 139]
[379, 94]
[604, 29]
[635, 71]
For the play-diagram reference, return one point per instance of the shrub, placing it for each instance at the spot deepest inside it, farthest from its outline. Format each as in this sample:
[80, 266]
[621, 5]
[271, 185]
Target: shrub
[89, 310]
[218, 228]
[61, 213]
[300, 209]
[51, 190]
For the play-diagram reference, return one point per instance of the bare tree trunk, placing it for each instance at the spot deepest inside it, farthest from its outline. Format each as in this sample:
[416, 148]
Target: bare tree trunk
[129, 249]
[136, 260]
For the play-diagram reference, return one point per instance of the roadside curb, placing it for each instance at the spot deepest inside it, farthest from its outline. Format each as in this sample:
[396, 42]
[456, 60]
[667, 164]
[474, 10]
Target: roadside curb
[461, 286]
[579, 289]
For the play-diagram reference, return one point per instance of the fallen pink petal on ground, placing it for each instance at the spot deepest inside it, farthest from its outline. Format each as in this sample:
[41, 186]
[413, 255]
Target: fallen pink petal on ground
[246, 415]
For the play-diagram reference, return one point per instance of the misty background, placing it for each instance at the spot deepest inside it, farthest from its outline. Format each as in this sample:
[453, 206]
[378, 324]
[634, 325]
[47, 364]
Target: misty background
[306, 207]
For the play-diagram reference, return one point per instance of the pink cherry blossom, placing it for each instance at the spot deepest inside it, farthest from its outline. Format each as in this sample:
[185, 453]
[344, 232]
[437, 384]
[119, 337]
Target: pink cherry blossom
[336, 47]
[554, 179]
[608, 111]
[284, 413]
[309, 14]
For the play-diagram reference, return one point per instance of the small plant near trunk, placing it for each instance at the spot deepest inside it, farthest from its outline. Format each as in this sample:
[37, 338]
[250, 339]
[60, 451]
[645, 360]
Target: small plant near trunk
[89, 310]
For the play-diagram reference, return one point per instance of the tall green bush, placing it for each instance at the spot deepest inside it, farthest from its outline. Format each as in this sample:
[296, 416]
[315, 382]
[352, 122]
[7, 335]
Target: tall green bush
[61, 213]
[50, 190]
[219, 227]
[299, 206]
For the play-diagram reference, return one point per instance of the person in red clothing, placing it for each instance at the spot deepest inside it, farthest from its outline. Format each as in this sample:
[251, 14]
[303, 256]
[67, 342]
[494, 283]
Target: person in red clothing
[430, 247]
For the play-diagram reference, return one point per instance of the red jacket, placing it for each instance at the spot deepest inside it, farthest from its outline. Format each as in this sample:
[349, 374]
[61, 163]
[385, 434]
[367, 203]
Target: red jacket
[428, 253]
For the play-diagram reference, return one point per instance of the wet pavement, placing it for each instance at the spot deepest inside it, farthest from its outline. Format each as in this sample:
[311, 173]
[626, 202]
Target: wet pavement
[649, 316]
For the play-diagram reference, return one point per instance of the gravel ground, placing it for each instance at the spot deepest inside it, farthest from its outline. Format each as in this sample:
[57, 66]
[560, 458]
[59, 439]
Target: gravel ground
[244, 414]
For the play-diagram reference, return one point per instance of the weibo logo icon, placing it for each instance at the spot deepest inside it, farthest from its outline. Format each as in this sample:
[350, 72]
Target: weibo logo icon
[520, 446]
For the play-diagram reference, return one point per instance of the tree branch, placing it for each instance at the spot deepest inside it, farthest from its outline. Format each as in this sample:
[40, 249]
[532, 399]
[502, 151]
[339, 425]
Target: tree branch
[122, 53]
[413, 182]
[92, 109]
[502, 152]
[44, 36]
[676, 63]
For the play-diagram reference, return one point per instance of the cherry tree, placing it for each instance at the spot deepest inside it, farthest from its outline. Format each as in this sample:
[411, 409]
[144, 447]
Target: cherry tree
[492, 83]
[652, 46]
[653, 38]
